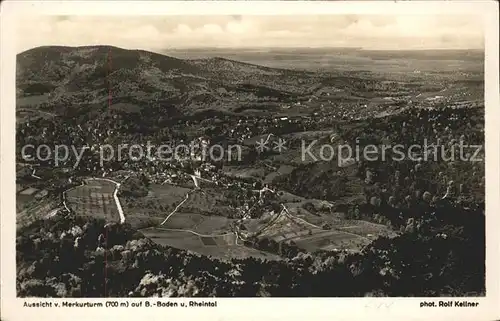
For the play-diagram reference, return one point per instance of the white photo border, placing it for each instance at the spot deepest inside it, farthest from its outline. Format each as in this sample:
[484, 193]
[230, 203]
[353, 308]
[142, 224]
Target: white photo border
[252, 308]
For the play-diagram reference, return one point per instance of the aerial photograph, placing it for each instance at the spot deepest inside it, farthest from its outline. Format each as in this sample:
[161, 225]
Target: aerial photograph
[250, 156]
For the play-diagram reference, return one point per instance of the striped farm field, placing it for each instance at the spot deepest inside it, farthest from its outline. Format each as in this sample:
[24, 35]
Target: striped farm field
[95, 199]
[287, 228]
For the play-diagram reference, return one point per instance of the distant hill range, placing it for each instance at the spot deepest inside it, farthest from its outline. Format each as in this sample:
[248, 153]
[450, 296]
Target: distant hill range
[56, 79]
[94, 74]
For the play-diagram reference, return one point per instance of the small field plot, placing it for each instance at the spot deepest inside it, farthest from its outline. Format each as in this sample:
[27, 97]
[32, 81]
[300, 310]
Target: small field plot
[31, 100]
[367, 229]
[23, 200]
[94, 199]
[208, 241]
[165, 191]
[34, 210]
[213, 225]
[184, 221]
[189, 210]
[260, 225]
[104, 186]
[284, 228]
[209, 201]
[310, 210]
[202, 224]
[236, 252]
[202, 202]
[287, 197]
[221, 247]
[282, 170]
[177, 239]
[331, 240]
[140, 218]
[287, 228]
[246, 172]
[226, 239]
[153, 208]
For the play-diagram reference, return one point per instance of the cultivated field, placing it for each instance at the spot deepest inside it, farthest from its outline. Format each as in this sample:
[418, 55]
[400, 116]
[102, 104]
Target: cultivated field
[152, 209]
[246, 172]
[31, 100]
[223, 247]
[95, 198]
[162, 200]
[202, 224]
[34, 210]
[284, 227]
[186, 227]
[32, 204]
[193, 220]
[281, 170]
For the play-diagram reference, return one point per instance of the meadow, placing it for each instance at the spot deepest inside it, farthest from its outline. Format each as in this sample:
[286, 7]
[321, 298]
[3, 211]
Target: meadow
[224, 247]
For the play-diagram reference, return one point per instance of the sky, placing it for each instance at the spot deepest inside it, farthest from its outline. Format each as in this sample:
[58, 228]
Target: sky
[158, 33]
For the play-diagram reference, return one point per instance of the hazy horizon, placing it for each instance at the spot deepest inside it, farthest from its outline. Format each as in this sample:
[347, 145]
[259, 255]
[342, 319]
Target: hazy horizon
[262, 49]
[159, 34]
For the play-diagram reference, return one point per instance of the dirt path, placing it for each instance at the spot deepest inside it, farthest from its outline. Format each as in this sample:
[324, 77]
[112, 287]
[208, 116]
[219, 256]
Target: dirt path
[176, 208]
[195, 180]
[193, 232]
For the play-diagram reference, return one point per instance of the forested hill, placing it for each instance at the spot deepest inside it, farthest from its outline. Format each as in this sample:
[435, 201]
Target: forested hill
[92, 74]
